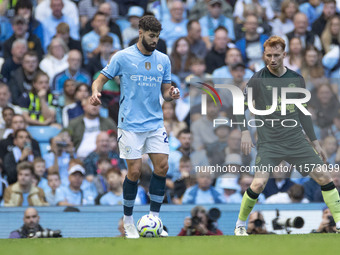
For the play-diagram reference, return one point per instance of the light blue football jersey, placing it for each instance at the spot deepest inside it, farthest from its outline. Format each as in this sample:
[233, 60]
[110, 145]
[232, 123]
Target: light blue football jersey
[141, 77]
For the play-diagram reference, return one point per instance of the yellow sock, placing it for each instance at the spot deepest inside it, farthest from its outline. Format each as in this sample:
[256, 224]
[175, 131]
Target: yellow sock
[332, 200]
[247, 206]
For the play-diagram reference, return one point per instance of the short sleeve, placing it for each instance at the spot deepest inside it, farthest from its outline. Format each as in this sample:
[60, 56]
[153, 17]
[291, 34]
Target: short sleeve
[167, 72]
[112, 69]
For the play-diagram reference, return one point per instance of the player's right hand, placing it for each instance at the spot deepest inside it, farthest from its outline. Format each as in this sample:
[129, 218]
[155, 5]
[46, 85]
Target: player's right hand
[95, 98]
[246, 142]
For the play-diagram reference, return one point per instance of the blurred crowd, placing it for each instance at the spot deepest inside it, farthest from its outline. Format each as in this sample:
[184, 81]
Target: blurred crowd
[57, 149]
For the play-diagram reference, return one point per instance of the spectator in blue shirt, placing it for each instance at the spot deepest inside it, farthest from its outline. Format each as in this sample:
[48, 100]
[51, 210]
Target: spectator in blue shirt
[213, 20]
[176, 27]
[73, 72]
[54, 194]
[90, 42]
[203, 192]
[114, 196]
[74, 194]
[51, 22]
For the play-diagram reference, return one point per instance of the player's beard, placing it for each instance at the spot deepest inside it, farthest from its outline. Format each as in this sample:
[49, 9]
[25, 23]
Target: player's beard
[147, 46]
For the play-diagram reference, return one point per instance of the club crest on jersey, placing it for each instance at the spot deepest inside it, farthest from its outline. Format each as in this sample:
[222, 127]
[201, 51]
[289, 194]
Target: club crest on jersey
[128, 149]
[160, 67]
[292, 85]
[147, 66]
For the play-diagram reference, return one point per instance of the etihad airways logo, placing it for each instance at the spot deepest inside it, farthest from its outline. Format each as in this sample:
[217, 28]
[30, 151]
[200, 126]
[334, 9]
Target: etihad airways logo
[146, 78]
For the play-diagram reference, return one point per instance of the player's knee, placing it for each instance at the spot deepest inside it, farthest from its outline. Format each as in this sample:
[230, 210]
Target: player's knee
[134, 174]
[258, 186]
[163, 168]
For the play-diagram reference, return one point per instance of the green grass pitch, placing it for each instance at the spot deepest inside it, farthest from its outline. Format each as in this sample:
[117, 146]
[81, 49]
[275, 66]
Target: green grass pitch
[311, 244]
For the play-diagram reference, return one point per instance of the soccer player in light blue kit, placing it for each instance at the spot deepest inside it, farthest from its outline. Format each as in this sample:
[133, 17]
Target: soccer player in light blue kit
[144, 73]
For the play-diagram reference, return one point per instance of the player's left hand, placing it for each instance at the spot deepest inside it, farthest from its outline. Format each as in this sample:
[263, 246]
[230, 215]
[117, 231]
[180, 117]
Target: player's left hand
[174, 93]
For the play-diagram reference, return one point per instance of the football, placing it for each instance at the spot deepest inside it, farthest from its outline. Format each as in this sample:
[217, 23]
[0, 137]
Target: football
[149, 226]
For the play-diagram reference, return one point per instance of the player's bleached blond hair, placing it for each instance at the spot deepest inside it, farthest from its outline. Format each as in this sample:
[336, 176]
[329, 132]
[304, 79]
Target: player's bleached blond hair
[275, 41]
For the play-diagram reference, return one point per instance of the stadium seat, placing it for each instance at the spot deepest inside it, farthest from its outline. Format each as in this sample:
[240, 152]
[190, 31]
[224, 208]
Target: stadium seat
[43, 134]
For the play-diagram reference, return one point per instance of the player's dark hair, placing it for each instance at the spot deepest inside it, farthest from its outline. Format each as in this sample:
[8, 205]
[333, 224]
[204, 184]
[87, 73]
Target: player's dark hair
[150, 23]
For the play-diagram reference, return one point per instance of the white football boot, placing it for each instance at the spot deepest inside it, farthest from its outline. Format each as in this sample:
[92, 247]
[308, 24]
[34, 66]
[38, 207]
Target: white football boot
[131, 231]
[240, 231]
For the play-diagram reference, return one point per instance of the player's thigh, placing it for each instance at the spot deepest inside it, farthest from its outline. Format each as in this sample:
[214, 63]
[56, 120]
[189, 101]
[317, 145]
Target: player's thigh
[130, 144]
[156, 142]
[306, 160]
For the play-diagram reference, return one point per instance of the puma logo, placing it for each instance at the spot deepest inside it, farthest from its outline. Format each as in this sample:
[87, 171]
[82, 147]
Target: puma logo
[135, 65]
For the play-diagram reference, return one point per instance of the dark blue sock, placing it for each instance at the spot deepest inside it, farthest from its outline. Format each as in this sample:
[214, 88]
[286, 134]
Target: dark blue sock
[129, 195]
[156, 190]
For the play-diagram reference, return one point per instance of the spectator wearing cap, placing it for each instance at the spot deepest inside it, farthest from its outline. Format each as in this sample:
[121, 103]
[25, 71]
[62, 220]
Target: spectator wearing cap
[73, 193]
[213, 20]
[175, 27]
[51, 22]
[203, 192]
[102, 150]
[90, 41]
[228, 186]
[19, 48]
[129, 33]
[197, 45]
[20, 28]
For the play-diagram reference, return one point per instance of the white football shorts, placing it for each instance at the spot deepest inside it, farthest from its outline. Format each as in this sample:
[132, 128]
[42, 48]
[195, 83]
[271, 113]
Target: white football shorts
[132, 145]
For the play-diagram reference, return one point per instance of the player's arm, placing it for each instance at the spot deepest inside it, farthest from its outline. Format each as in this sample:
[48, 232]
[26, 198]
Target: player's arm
[169, 92]
[307, 125]
[97, 87]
